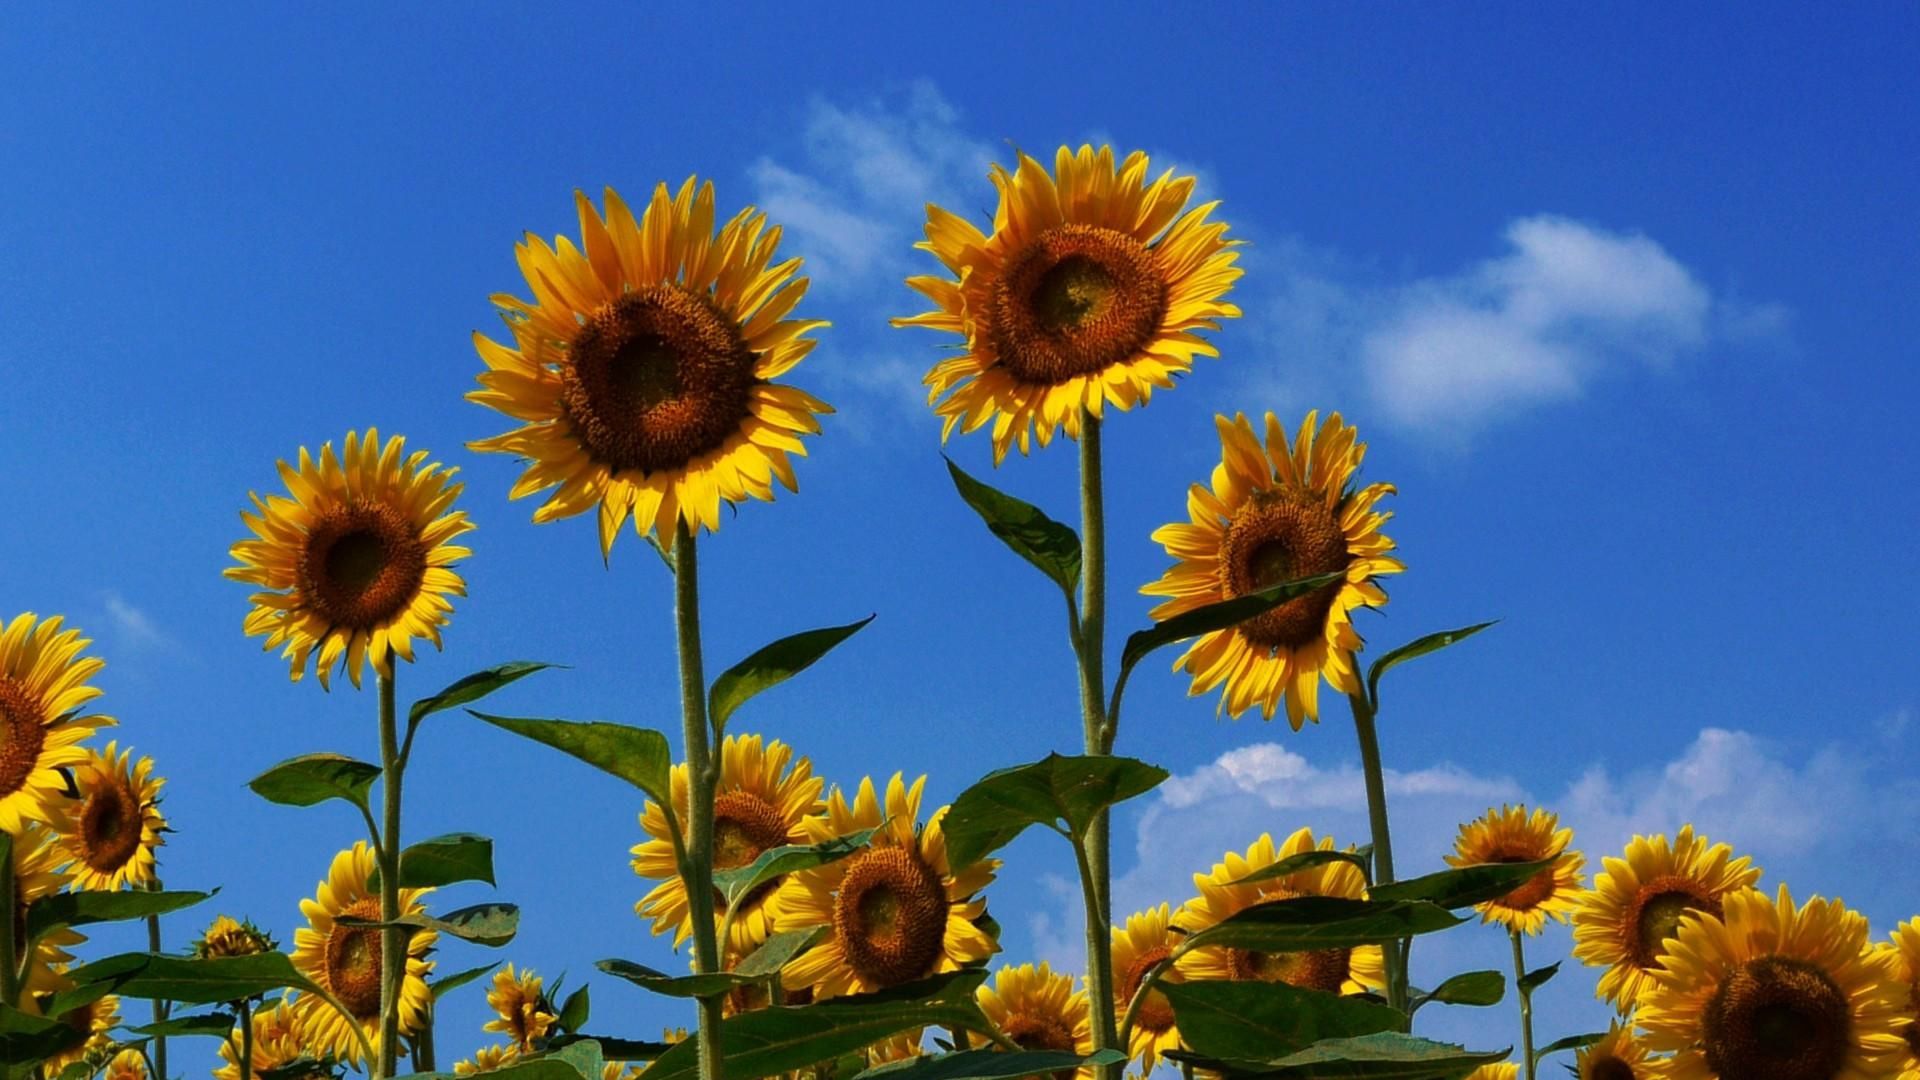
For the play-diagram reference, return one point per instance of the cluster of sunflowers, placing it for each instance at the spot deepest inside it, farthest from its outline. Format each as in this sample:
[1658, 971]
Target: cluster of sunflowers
[842, 933]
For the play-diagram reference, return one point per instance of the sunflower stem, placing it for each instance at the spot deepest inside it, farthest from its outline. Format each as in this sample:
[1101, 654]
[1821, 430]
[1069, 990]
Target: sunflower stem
[246, 1039]
[9, 963]
[693, 715]
[393, 939]
[1092, 849]
[1526, 1003]
[1397, 951]
[161, 1007]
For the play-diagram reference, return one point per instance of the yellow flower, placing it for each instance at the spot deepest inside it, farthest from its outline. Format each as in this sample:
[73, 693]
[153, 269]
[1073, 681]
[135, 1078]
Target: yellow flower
[1088, 292]
[764, 799]
[1906, 953]
[110, 836]
[1039, 1009]
[1768, 989]
[1498, 1071]
[1511, 835]
[1338, 971]
[1146, 940]
[895, 912]
[643, 367]
[126, 1065]
[355, 560]
[1617, 1056]
[36, 873]
[276, 1044]
[521, 1012]
[346, 960]
[896, 1047]
[43, 684]
[229, 937]
[486, 1059]
[1636, 905]
[1273, 515]
[97, 1018]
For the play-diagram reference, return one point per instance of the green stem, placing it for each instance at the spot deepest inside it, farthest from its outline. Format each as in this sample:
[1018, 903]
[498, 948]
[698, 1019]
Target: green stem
[1397, 951]
[423, 1044]
[393, 939]
[161, 1007]
[1526, 1003]
[1093, 849]
[246, 1040]
[9, 948]
[701, 776]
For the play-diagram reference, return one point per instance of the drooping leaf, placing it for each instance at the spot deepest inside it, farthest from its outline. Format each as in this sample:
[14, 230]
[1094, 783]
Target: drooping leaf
[989, 1065]
[1571, 1042]
[311, 779]
[613, 1048]
[1361, 857]
[217, 1024]
[771, 666]
[1468, 988]
[83, 908]
[1219, 616]
[574, 1011]
[778, 862]
[1068, 790]
[443, 860]
[27, 1038]
[1387, 1055]
[1258, 1020]
[1463, 886]
[1536, 978]
[1053, 548]
[483, 924]
[1322, 922]
[441, 987]
[193, 982]
[1414, 649]
[773, 953]
[684, 986]
[637, 755]
[474, 687]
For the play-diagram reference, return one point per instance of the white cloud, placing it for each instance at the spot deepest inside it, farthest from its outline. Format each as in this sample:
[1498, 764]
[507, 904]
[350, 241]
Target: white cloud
[134, 626]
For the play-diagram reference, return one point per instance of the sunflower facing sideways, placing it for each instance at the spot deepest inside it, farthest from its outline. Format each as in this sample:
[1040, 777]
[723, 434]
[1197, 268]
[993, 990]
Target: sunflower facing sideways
[1637, 902]
[1087, 293]
[1616, 1056]
[1223, 894]
[1147, 939]
[111, 834]
[895, 912]
[346, 960]
[1276, 514]
[37, 873]
[764, 800]
[1512, 835]
[355, 560]
[1770, 990]
[97, 1018]
[43, 684]
[1906, 952]
[520, 1012]
[276, 1045]
[642, 370]
[1038, 1009]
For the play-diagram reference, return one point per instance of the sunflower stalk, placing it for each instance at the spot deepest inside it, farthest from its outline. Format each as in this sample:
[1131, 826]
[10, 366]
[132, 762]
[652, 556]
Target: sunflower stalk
[245, 1011]
[1397, 952]
[1093, 848]
[701, 777]
[161, 1007]
[9, 948]
[1526, 1004]
[393, 943]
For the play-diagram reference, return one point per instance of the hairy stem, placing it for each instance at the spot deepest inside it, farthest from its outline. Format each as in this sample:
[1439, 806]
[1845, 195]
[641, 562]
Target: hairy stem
[393, 939]
[246, 1039]
[161, 1007]
[1093, 848]
[700, 776]
[1526, 1004]
[1397, 951]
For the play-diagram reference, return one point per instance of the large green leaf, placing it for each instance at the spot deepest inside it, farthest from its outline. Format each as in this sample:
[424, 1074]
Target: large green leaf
[443, 860]
[473, 688]
[1255, 1020]
[312, 779]
[989, 1065]
[1051, 547]
[614, 1048]
[442, 987]
[83, 908]
[778, 862]
[575, 1010]
[25, 1038]
[1415, 649]
[1322, 922]
[1571, 1042]
[1464, 886]
[483, 924]
[637, 755]
[193, 982]
[1468, 988]
[771, 666]
[1068, 790]
[773, 953]
[1386, 1055]
[217, 1024]
[684, 986]
[1219, 616]
[1538, 977]
[1361, 857]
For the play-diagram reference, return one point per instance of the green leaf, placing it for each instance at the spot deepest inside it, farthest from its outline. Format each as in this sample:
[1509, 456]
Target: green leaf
[26, 1039]
[573, 1012]
[1415, 649]
[1073, 790]
[1322, 922]
[1361, 857]
[483, 924]
[1468, 988]
[989, 1065]
[193, 982]
[1571, 1042]
[1257, 1020]
[1464, 886]
[1050, 546]
[614, 1049]
[443, 860]
[442, 987]
[578, 1060]
[637, 755]
[1218, 616]
[473, 688]
[1536, 978]
[83, 908]
[312, 779]
[773, 953]
[1387, 1055]
[771, 666]
[217, 1024]
[777, 862]
[684, 986]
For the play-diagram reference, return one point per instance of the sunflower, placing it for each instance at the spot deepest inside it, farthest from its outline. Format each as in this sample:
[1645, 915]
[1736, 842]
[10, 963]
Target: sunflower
[110, 836]
[1773, 991]
[43, 684]
[899, 1046]
[1146, 940]
[1498, 1071]
[1089, 291]
[346, 959]
[276, 1045]
[764, 800]
[1276, 515]
[487, 1059]
[37, 873]
[229, 937]
[1636, 905]
[1906, 951]
[1338, 971]
[521, 1012]
[895, 912]
[1511, 835]
[1617, 1056]
[355, 559]
[126, 1065]
[643, 366]
[1038, 1008]
[97, 1019]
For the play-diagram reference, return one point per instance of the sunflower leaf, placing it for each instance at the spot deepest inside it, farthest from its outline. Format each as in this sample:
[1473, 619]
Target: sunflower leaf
[773, 953]
[1386, 1055]
[989, 1065]
[443, 860]
[1467, 988]
[770, 666]
[684, 986]
[442, 987]
[1538, 977]
[614, 1049]
[1571, 1042]
[312, 779]
[1256, 1020]
[217, 1024]
[1069, 790]
[1464, 886]
[637, 755]
[83, 908]
[1415, 649]
[1322, 922]
[1218, 616]
[1361, 857]
[491, 924]
[1051, 547]
[474, 687]
[778, 862]
[25, 1038]
[193, 982]
[574, 1011]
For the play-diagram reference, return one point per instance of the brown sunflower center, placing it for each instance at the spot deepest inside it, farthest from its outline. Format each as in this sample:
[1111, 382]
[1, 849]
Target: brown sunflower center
[1913, 1039]
[655, 379]
[363, 564]
[1778, 1019]
[1656, 913]
[1040, 1033]
[745, 827]
[1076, 300]
[890, 916]
[1609, 1068]
[22, 736]
[1315, 969]
[1275, 539]
[353, 961]
[1156, 1013]
[1532, 892]
[110, 826]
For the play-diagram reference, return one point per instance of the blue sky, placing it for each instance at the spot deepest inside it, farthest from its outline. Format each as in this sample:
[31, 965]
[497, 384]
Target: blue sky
[1624, 307]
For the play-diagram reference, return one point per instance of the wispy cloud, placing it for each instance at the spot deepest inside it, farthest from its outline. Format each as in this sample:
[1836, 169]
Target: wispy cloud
[134, 626]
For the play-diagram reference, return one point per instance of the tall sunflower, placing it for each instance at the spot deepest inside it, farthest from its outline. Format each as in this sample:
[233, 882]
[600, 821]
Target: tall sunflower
[1511, 835]
[1768, 990]
[764, 800]
[521, 1013]
[277, 1043]
[1088, 292]
[111, 834]
[355, 561]
[895, 912]
[643, 367]
[1637, 902]
[1038, 1009]
[97, 1019]
[1222, 895]
[1617, 1056]
[346, 960]
[1272, 515]
[43, 685]
[1147, 939]
[1906, 952]
[228, 936]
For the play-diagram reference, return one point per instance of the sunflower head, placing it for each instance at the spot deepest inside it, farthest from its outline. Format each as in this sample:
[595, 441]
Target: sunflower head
[1617, 1056]
[1147, 939]
[1279, 513]
[355, 560]
[1906, 954]
[345, 959]
[1038, 1008]
[1512, 835]
[37, 873]
[277, 1047]
[521, 1012]
[1088, 292]
[96, 1019]
[43, 687]
[1634, 909]
[642, 370]
[1775, 990]
[487, 1059]
[1497, 1071]
[228, 936]
[126, 1065]
[111, 833]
